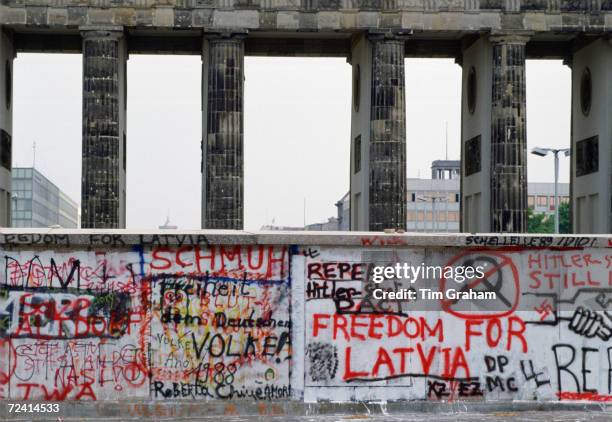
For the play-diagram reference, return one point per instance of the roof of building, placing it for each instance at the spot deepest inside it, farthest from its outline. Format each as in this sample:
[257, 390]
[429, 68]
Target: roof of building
[448, 164]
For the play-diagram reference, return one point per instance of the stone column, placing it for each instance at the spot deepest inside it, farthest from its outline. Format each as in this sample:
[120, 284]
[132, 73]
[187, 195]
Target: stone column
[104, 125]
[222, 146]
[7, 54]
[508, 135]
[387, 175]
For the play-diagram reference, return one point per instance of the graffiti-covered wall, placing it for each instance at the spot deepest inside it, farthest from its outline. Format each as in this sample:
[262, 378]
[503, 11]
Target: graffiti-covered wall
[188, 322]
[120, 317]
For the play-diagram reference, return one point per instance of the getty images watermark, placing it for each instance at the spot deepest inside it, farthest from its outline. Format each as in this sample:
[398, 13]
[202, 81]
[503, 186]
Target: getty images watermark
[460, 274]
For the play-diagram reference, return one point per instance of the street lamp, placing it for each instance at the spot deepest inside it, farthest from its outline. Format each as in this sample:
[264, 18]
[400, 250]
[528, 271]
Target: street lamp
[543, 152]
[14, 198]
[433, 199]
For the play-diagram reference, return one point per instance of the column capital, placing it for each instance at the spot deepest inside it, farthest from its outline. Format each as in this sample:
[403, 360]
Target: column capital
[228, 34]
[519, 37]
[101, 31]
[398, 36]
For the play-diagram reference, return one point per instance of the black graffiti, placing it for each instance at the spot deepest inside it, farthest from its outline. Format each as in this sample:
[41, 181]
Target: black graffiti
[532, 375]
[267, 392]
[531, 241]
[343, 297]
[36, 239]
[323, 359]
[589, 324]
[181, 389]
[371, 305]
[565, 366]
[218, 345]
[173, 240]
[441, 389]
[36, 268]
[221, 320]
[310, 253]
[113, 240]
[495, 382]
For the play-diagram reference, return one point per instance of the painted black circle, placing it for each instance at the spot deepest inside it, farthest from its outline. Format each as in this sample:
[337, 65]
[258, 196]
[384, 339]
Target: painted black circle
[356, 87]
[471, 90]
[586, 91]
[8, 84]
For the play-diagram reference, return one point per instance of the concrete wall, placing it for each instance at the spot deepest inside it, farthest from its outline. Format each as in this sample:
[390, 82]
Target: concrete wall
[212, 315]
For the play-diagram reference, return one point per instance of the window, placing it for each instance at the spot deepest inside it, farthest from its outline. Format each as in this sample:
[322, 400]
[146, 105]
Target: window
[531, 201]
[8, 84]
[5, 150]
[357, 156]
[356, 87]
[587, 156]
[124, 150]
[586, 91]
[542, 201]
[471, 90]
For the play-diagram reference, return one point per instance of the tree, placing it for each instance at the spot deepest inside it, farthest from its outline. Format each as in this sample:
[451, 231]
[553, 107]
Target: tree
[539, 222]
[564, 218]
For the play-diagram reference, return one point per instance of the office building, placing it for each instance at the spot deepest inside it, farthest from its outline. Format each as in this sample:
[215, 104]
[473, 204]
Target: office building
[38, 202]
[433, 205]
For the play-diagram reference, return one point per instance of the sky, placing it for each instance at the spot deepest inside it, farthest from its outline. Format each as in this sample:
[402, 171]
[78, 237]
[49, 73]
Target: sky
[297, 130]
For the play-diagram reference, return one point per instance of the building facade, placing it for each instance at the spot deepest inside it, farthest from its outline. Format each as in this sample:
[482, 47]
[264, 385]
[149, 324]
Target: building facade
[38, 202]
[434, 205]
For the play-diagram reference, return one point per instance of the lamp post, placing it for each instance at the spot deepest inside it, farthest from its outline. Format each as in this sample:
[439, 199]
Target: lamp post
[433, 199]
[14, 198]
[543, 152]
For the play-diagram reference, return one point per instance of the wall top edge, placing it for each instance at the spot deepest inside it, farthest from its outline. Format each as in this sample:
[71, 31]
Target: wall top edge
[60, 238]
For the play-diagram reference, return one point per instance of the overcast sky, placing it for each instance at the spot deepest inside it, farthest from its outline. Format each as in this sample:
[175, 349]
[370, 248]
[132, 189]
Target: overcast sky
[297, 130]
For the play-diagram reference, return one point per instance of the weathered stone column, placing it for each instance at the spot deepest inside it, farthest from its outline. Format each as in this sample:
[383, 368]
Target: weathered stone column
[222, 147]
[387, 176]
[104, 125]
[508, 135]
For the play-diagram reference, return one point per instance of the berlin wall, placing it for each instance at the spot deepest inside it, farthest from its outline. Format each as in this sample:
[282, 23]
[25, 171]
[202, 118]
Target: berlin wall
[267, 317]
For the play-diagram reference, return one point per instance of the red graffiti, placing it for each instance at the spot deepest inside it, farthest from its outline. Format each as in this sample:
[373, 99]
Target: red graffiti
[589, 396]
[502, 274]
